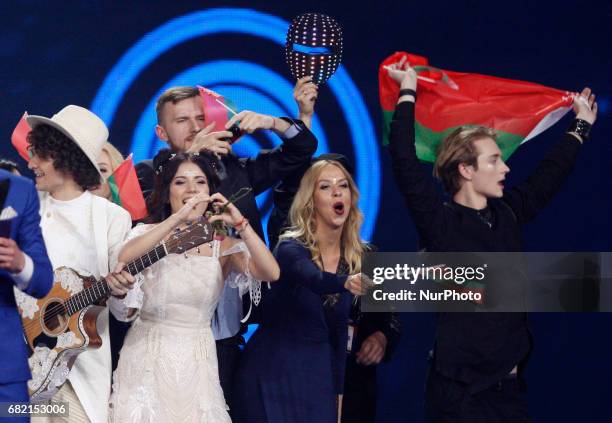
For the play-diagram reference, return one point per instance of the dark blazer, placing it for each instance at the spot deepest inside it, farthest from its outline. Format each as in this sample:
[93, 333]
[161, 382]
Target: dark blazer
[25, 230]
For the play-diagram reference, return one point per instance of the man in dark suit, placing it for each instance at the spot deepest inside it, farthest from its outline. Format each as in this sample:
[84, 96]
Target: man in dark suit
[23, 264]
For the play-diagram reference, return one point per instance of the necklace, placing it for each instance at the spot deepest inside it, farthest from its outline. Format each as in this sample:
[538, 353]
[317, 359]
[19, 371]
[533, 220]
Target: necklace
[485, 216]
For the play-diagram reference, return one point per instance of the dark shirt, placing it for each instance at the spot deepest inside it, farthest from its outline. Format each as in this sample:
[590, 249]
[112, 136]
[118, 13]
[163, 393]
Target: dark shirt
[475, 348]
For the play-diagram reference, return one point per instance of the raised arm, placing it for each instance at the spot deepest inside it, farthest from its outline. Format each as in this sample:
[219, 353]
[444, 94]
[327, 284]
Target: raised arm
[270, 166]
[262, 265]
[305, 94]
[420, 193]
[531, 196]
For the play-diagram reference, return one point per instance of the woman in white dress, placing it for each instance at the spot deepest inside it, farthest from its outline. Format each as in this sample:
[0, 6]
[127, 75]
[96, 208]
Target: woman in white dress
[167, 368]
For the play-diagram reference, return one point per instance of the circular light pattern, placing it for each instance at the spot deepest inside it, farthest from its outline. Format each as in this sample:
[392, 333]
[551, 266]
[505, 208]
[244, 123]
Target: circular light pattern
[304, 45]
[253, 23]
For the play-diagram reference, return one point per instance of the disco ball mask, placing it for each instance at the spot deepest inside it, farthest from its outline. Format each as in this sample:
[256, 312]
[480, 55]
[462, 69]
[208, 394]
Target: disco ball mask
[314, 47]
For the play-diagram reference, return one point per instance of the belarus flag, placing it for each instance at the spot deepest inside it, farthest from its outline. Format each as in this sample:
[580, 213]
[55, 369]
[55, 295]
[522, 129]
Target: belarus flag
[125, 189]
[516, 110]
[217, 108]
[19, 139]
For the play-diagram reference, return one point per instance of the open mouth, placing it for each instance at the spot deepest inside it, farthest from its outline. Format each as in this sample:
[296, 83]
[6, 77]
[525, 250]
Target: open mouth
[339, 208]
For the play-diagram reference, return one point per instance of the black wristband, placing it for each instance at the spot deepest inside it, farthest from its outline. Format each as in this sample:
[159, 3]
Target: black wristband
[408, 91]
[296, 122]
[581, 127]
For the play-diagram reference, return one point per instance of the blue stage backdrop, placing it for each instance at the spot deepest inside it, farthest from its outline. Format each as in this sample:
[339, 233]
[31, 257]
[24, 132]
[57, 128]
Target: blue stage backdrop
[117, 57]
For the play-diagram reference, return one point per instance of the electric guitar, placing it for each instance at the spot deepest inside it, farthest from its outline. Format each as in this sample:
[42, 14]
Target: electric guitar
[62, 325]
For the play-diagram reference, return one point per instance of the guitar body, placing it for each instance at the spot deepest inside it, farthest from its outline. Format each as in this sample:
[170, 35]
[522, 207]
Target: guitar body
[63, 324]
[56, 338]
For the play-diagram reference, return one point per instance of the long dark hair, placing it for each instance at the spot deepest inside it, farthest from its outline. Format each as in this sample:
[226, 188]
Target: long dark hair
[166, 165]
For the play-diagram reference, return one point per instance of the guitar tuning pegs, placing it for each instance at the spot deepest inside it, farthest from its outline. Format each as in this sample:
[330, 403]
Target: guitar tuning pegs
[198, 249]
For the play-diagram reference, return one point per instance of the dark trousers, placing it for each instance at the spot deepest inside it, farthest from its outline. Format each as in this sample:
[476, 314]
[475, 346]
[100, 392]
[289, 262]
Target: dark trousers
[11, 393]
[449, 401]
[228, 357]
[359, 401]
[117, 331]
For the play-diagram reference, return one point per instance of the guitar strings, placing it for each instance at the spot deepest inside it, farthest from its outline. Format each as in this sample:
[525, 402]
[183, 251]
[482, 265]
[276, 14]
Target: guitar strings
[59, 309]
[170, 245]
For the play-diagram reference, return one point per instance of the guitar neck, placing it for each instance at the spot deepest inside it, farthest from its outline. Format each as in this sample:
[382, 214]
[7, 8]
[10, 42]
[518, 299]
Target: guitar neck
[100, 289]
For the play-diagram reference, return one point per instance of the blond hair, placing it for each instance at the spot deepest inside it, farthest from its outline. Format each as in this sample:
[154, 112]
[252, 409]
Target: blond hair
[458, 147]
[303, 225]
[116, 158]
[174, 95]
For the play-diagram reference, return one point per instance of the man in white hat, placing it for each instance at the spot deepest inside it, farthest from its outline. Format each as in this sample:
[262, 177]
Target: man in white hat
[83, 232]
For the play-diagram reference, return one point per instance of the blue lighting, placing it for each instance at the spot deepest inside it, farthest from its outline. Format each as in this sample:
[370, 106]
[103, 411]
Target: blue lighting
[300, 48]
[253, 23]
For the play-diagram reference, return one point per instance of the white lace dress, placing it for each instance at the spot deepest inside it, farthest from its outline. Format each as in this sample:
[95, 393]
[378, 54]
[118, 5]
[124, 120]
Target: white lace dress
[167, 368]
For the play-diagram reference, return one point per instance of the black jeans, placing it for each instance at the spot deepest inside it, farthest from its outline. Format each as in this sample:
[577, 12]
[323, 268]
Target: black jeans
[359, 403]
[447, 401]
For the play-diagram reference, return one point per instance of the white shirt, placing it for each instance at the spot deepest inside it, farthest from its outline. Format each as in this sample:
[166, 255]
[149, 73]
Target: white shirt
[67, 228]
[85, 234]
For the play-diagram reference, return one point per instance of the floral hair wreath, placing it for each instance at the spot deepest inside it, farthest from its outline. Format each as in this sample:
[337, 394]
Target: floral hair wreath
[161, 166]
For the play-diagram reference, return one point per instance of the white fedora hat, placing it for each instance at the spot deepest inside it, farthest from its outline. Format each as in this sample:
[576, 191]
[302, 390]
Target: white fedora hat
[83, 127]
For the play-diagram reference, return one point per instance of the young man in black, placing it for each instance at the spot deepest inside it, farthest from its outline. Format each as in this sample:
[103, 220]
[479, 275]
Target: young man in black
[475, 374]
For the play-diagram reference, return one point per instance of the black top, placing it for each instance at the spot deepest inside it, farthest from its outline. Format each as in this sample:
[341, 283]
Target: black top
[475, 348]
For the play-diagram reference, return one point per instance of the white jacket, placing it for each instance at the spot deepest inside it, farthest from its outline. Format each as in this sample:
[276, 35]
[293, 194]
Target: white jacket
[91, 373]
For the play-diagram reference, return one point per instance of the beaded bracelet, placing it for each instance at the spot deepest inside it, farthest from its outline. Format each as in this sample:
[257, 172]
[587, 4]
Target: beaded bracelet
[244, 223]
[581, 127]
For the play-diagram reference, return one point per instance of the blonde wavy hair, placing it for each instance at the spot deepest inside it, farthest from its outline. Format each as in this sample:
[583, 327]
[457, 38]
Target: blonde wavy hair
[303, 225]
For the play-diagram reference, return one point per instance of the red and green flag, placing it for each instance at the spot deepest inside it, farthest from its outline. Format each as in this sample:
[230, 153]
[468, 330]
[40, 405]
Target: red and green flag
[217, 108]
[19, 139]
[125, 189]
[516, 110]
[123, 183]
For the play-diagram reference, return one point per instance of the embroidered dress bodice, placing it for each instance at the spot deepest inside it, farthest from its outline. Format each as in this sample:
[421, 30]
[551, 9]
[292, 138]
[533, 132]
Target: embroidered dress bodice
[168, 364]
[175, 292]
